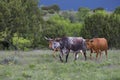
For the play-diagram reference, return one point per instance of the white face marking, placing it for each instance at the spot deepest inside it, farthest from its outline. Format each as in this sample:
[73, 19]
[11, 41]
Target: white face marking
[55, 45]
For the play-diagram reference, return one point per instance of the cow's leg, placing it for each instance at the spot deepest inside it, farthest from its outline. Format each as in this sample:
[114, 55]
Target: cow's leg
[97, 55]
[81, 52]
[54, 54]
[100, 55]
[106, 54]
[91, 56]
[60, 56]
[67, 56]
[91, 51]
[84, 52]
[85, 55]
[76, 56]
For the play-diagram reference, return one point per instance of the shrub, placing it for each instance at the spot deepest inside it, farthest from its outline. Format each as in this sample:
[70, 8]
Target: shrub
[10, 60]
[21, 42]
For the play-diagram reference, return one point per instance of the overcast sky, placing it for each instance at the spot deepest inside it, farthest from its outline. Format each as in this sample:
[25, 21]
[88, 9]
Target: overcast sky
[75, 4]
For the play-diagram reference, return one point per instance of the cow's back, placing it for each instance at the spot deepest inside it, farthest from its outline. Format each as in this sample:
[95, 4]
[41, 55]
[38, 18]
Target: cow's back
[100, 43]
[72, 43]
[77, 43]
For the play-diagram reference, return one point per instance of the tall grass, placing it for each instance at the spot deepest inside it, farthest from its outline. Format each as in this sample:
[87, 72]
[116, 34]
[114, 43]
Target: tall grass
[40, 65]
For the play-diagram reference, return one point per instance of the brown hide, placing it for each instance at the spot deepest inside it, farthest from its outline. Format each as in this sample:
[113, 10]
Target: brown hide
[97, 45]
[50, 44]
[55, 49]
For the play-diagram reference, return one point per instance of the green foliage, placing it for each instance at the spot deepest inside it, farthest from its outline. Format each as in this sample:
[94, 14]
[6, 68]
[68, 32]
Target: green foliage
[10, 60]
[23, 17]
[21, 42]
[82, 13]
[54, 7]
[71, 15]
[98, 9]
[4, 15]
[58, 27]
[4, 34]
[117, 10]
[114, 30]
[26, 74]
[101, 24]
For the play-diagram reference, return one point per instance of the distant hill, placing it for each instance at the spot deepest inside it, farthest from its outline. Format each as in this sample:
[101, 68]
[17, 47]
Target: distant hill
[108, 5]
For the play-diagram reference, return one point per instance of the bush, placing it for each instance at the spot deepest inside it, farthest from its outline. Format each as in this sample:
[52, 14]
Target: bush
[102, 24]
[21, 42]
[10, 60]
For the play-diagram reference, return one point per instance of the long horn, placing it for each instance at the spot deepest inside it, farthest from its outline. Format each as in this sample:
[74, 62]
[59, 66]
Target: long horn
[48, 38]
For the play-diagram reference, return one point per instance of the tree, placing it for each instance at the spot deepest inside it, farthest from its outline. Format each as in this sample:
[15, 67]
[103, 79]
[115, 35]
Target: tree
[114, 30]
[82, 13]
[71, 15]
[117, 10]
[55, 7]
[51, 9]
[98, 9]
[22, 17]
[57, 26]
[102, 24]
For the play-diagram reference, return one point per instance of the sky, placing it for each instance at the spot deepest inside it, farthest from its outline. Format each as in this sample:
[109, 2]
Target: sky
[75, 4]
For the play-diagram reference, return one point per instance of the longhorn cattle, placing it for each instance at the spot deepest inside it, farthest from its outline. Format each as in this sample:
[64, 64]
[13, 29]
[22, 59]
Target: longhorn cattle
[76, 44]
[55, 46]
[97, 45]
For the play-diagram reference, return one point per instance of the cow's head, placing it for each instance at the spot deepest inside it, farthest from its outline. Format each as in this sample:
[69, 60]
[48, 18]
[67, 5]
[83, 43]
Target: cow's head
[50, 42]
[89, 43]
[53, 44]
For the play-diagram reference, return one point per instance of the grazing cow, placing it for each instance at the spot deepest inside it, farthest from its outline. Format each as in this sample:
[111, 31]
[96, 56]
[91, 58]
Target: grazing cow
[97, 45]
[55, 46]
[76, 44]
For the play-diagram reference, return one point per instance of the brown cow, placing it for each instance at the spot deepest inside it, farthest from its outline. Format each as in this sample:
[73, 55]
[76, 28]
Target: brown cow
[97, 45]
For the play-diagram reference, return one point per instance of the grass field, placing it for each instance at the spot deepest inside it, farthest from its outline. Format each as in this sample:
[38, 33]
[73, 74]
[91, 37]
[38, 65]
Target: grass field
[40, 65]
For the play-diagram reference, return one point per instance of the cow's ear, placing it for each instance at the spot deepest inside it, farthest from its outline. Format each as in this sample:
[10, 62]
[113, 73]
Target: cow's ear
[57, 39]
[91, 40]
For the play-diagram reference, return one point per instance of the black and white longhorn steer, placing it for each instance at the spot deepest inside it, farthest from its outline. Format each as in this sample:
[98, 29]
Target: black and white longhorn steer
[75, 44]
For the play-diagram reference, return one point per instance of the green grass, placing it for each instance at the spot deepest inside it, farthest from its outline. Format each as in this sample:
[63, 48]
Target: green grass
[40, 65]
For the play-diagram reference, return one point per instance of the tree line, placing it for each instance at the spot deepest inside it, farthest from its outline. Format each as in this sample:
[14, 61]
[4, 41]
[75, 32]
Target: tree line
[24, 24]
